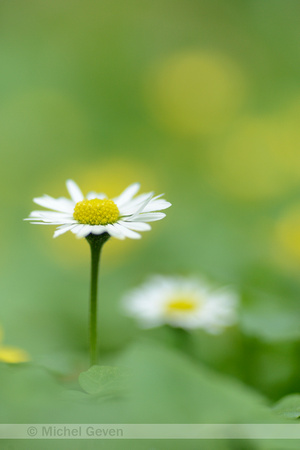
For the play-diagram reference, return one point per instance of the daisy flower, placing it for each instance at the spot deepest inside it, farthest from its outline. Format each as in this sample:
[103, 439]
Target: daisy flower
[120, 217]
[186, 303]
[97, 218]
[11, 354]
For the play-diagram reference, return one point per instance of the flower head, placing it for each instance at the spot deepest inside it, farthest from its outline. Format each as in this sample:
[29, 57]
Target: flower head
[120, 217]
[12, 354]
[184, 303]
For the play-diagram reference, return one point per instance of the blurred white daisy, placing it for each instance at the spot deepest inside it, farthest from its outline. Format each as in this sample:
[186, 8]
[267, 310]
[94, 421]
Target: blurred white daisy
[186, 303]
[120, 217]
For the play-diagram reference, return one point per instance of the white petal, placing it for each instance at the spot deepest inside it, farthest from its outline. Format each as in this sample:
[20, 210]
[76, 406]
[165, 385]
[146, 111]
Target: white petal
[58, 221]
[157, 205]
[47, 223]
[84, 231]
[53, 222]
[49, 216]
[58, 204]
[92, 195]
[137, 226]
[63, 229]
[128, 233]
[111, 229]
[132, 206]
[98, 229]
[77, 228]
[74, 191]
[142, 206]
[127, 194]
[147, 217]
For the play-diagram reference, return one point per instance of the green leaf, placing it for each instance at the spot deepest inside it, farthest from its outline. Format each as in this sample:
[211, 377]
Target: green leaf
[77, 396]
[289, 406]
[100, 380]
[27, 391]
[63, 363]
[186, 391]
[271, 317]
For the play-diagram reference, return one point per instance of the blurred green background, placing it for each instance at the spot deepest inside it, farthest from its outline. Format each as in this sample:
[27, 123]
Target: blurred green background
[197, 99]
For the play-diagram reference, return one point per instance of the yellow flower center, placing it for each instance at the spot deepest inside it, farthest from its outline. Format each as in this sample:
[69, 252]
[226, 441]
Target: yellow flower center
[96, 212]
[13, 355]
[182, 304]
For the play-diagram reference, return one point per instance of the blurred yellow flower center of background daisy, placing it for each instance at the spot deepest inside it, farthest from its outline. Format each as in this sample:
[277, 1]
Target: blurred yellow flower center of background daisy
[12, 355]
[181, 304]
[96, 212]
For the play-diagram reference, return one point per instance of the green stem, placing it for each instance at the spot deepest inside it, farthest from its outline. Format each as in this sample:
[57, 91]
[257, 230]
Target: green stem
[183, 340]
[96, 242]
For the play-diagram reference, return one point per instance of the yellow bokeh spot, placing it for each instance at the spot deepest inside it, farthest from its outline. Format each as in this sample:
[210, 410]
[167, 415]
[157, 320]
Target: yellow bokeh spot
[181, 304]
[259, 158]
[13, 355]
[96, 212]
[195, 92]
[255, 161]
